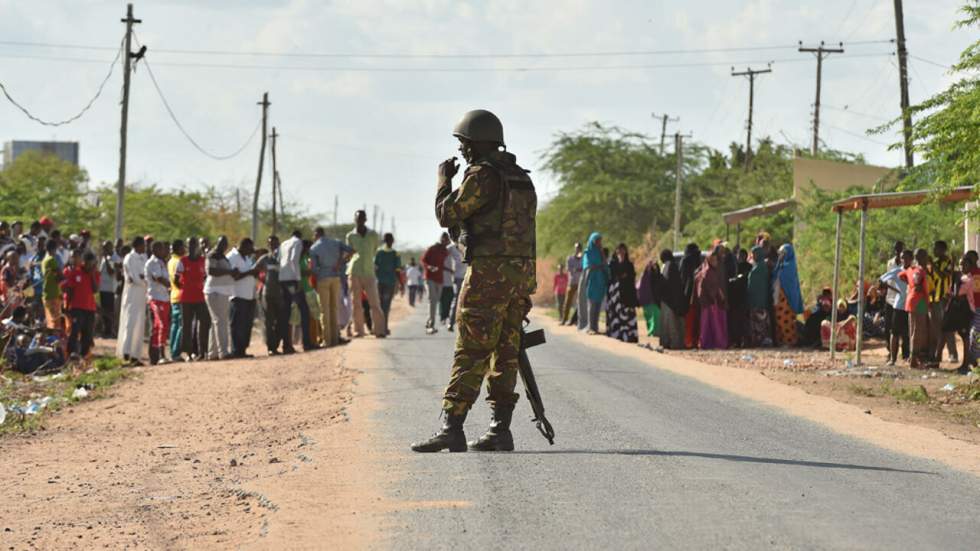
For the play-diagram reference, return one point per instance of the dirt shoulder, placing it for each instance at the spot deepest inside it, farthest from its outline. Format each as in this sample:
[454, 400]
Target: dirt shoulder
[879, 405]
[255, 454]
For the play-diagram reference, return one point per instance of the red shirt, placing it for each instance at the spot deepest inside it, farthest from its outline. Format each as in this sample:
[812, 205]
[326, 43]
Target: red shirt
[918, 282]
[80, 287]
[192, 277]
[561, 284]
[975, 274]
[434, 261]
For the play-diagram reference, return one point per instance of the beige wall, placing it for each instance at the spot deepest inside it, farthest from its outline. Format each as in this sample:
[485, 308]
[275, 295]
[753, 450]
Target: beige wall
[838, 176]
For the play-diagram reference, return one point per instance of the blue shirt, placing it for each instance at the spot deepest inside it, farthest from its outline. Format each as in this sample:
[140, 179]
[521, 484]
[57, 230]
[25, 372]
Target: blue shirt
[892, 279]
[326, 253]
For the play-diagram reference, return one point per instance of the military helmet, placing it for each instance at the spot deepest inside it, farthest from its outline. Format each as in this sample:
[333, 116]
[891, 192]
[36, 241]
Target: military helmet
[480, 125]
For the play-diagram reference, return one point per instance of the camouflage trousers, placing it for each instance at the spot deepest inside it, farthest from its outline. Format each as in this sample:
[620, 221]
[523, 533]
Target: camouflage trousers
[494, 299]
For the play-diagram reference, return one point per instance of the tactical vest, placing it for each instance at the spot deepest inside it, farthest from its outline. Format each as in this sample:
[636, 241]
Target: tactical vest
[505, 227]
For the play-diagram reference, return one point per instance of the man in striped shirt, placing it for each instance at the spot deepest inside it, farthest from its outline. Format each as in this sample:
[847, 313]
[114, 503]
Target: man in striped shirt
[940, 273]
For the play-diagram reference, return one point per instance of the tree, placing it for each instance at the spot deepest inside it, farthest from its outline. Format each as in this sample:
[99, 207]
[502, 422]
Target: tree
[946, 130]
[610, 180]
[725, 185]
[37, 184]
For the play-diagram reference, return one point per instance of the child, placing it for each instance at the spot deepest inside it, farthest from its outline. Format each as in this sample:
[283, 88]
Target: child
[560, 287]
[158, 294]
[899, 322]
[81, 283]
[917, 305]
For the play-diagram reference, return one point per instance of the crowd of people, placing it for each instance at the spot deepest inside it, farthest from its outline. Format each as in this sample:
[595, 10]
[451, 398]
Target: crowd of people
[737, 298]
[195, 300]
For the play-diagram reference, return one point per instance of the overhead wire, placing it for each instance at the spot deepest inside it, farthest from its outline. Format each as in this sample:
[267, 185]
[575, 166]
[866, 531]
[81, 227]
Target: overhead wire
[847, 109]
[84, 109]
[860, 22]
[485, 55]
[856, 135]
[173, 117]
[930, 62]
[847, 16]
[528, 69]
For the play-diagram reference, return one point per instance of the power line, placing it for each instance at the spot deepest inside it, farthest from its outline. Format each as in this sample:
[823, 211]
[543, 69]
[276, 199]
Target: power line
[85, 109]
[856, 135]
[847, 16]
[924, 60]
[847, 109]
[183, 131]
[353, 55]
[531, 69]
[861, 22]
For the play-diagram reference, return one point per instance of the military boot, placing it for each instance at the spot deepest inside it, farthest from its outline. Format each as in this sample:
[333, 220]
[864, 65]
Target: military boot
[498, 437]
[450, 438]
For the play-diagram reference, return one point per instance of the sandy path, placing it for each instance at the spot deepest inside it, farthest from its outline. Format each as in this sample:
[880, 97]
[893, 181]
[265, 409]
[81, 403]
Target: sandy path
[256, 454]
[844, 418]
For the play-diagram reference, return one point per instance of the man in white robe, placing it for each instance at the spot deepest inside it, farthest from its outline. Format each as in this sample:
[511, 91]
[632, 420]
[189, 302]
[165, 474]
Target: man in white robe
[132, 316]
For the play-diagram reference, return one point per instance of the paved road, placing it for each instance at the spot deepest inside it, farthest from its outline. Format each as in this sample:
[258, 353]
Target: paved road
[647, 459]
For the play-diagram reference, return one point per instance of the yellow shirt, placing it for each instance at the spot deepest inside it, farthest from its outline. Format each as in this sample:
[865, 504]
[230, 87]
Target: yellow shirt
[940, 279]
[172, 270]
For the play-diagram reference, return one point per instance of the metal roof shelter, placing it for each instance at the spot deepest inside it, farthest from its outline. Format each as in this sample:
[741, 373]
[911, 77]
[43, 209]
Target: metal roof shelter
[737, 216]
[876, 201]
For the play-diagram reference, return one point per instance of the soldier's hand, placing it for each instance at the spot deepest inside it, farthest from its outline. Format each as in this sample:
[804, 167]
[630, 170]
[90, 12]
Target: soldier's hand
[448, 169]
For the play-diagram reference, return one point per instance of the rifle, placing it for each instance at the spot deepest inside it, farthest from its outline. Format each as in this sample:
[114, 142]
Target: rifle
[529, 340]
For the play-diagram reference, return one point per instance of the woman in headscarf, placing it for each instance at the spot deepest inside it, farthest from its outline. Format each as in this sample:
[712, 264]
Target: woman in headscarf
[759, 296]
[648, 295]
[738, 307]
[787, 297]
[673, 305]
[621, 316]
[689, 267]
[711, 290]
[596, 280]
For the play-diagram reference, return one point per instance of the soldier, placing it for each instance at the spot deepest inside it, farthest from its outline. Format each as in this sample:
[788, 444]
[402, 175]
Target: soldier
[491, 215]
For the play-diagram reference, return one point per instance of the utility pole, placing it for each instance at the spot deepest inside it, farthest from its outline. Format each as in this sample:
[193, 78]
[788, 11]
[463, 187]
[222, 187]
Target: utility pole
[382, 228]
[238, 202]
[750, 72]
[124, 119]
[275, 180]
[374, 218]
[392, 225]
[821, 52]
[678, 172]
[336, 208]
[903, 81]
[282, 202]
[258, 179]
[663, 128]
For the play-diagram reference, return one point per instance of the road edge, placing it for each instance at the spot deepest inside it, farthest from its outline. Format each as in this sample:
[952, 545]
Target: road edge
[842, 418]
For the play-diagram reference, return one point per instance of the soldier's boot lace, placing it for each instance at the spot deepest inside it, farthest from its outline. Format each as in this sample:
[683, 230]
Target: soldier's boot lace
[450, 438]
[498, 437]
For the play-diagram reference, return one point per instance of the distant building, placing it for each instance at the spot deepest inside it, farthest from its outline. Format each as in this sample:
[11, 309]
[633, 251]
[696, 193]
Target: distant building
[66, 151]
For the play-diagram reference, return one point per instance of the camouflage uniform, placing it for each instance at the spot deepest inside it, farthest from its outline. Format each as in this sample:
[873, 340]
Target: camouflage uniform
[494, 210]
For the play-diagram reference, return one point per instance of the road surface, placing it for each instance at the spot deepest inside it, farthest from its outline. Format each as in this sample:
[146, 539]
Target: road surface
[643, 459]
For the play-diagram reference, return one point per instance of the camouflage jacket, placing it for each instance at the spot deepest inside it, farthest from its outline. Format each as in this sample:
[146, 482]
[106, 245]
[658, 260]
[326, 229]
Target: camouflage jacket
[492, 213]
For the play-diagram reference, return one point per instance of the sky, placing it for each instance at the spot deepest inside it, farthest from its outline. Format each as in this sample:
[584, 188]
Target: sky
[367, 96]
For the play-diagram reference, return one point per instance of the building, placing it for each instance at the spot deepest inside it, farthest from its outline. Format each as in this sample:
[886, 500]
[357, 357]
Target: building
[840, 176]
[66, 151]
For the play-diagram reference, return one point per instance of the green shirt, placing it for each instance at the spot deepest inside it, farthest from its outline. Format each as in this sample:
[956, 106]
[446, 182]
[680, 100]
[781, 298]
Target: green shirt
[364, 247]
[51, 271]
[386, 265]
